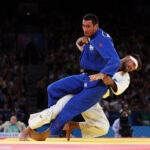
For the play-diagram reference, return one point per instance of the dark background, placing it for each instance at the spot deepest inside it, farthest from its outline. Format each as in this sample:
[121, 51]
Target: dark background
[37, 47]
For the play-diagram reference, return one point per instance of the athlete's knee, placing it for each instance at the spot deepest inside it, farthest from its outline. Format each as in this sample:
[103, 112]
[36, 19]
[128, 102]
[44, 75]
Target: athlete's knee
[106, 128]
[51, 96]
[51, 88]
[103, 128]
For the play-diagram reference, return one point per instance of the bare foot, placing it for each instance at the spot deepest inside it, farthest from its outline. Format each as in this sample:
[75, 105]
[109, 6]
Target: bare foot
[69, 127]
[23, 137]
[24, 134]
[39, 136]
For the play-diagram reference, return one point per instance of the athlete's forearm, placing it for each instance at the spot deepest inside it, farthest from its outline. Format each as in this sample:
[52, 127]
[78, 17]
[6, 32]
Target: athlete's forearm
[97, 76]
[109, 81]
[113, 86]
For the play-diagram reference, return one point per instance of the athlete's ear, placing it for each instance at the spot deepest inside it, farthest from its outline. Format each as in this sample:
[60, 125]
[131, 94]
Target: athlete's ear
[96, 26]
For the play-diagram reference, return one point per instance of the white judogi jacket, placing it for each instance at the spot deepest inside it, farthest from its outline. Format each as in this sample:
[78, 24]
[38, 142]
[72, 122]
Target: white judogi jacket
[122, 80]
[96, 123]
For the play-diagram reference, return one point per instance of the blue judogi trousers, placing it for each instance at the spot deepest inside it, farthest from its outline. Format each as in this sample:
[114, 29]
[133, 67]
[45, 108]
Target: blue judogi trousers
[87, 94]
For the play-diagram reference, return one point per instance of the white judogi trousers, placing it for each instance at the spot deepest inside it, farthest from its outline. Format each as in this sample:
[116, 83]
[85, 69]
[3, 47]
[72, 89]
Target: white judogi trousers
[96, 123]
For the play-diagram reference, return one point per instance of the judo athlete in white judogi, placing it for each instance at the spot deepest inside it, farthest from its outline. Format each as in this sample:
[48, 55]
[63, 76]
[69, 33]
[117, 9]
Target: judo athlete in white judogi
[96, 124]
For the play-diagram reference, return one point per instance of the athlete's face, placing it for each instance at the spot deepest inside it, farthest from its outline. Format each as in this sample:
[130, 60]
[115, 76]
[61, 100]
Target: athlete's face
[128, 65]
[88, 28]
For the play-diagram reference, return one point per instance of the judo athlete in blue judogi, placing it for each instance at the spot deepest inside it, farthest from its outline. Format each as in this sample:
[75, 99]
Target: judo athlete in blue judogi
[98, 56]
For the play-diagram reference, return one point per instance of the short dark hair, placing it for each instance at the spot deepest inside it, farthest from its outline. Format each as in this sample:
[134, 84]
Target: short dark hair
[137, 57]
[92, 17]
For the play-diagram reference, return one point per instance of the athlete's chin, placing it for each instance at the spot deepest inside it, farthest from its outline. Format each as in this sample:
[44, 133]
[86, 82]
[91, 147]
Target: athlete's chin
[87, 35]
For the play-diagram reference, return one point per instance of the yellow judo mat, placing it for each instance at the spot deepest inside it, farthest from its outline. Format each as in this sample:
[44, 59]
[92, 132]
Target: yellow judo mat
[76, 144]
[79, 141]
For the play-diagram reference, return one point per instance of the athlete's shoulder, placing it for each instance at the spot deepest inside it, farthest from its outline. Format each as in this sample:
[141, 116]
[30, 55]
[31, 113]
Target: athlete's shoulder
[121, 74]
[105, 36]
[102, 36]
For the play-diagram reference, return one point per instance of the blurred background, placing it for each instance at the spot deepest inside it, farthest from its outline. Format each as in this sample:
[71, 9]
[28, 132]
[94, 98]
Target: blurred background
[37, 47]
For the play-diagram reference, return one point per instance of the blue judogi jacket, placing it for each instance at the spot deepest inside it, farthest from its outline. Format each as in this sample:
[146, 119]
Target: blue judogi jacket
[100, 55]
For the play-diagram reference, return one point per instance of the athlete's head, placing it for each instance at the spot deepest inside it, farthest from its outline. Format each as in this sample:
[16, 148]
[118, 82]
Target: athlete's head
[90, 24]
[131, 63]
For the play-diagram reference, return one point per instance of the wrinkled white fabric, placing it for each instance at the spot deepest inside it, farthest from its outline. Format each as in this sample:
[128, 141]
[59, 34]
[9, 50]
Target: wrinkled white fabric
[46, 116]
[96, 123]
[122, 80]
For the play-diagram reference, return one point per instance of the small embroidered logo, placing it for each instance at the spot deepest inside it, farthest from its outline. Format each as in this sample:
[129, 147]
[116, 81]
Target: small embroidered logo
[91, 48]
[57, 124]
[100, 44]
